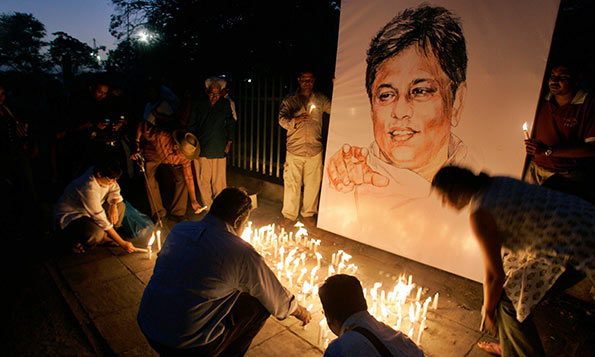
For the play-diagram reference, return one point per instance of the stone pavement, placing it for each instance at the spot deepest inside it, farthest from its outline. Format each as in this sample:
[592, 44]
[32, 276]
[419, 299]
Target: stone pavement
[104, 287]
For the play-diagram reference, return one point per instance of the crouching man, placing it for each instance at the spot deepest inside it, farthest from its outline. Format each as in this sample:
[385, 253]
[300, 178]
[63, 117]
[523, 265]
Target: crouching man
[211, 292]
[359, 333]
[90, 207]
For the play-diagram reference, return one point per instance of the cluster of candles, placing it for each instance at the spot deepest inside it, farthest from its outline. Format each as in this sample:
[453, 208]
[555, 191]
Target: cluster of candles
[299, 266]
[156, 235]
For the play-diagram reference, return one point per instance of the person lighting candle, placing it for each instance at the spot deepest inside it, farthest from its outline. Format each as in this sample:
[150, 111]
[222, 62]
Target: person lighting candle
[211, 292]
[549, 241]
[360, 334]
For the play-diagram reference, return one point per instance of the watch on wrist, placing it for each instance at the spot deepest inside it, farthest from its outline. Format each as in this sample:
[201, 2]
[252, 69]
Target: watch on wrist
[549, 151]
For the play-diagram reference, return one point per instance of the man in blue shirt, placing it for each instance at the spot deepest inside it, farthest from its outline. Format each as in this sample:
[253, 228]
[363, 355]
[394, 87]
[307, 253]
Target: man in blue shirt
[211, 292]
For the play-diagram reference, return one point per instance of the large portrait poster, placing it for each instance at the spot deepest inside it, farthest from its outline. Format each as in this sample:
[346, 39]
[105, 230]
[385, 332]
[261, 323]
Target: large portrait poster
[419, 86]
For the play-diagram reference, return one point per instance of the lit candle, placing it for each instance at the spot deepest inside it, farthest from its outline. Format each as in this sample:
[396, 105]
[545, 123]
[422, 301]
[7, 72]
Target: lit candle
[296, 262]
[159, 240]
[435, 304]
[313, 275]
[320, 330]
[426, 304]
[312, 107]
[410, 279]
[526, 130]
[318, 257]
[334, 259]
[421, 331]
[281, 253]
[340, 267]
[279, 270]
[331, 272]
[304, 270]
[418, 296]
[303, 258]
[417, 311]
[149, 246]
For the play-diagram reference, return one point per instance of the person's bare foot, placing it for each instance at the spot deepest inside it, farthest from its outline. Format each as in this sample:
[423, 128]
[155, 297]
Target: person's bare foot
[492, 348]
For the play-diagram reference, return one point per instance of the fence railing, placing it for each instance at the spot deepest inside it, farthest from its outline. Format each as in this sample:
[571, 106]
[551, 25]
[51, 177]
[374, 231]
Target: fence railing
[259, 146]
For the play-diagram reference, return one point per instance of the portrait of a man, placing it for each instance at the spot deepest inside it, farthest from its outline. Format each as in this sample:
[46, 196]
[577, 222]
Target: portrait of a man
[415, 82]
[420, 86]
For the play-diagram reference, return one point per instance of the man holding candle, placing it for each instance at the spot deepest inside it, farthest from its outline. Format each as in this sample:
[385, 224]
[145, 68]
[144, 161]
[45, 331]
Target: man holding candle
[211, 292]
[360, 334]
[301, 114]
[563, 141]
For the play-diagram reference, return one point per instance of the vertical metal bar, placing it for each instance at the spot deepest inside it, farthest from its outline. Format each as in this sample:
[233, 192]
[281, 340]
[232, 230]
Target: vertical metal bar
[273, 124]
[252, 119]
[279, 99]
[258, 118]
[246, 120]
[265, 120]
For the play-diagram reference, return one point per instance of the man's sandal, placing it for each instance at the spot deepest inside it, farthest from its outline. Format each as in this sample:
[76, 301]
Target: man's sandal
[492, 348]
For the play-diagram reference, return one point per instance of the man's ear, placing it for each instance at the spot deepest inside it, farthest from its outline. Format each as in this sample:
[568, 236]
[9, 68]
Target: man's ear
[458, 104]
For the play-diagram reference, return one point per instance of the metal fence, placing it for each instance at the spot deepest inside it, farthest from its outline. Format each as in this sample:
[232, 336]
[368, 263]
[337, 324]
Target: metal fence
[259, 146]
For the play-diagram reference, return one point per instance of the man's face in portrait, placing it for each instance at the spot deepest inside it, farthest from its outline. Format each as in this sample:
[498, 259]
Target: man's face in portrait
[412, 110]
[561, 81]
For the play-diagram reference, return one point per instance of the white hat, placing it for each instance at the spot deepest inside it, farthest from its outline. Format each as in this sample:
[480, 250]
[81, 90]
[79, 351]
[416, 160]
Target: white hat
[187, 144]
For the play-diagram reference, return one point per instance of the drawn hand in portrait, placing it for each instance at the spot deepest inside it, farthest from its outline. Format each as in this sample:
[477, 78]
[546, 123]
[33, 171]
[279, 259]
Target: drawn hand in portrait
[349, 167]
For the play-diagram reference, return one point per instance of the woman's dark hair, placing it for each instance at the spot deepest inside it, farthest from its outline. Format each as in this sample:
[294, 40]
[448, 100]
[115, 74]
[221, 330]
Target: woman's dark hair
[108, 167]
[454, 180]
[342, 296]
[232, 203]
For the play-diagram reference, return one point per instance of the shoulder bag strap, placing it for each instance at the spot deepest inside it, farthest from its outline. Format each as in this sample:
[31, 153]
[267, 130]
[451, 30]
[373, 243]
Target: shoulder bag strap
[380, 347]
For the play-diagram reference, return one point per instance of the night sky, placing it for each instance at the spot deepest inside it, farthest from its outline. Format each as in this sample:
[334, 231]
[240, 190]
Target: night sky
[82, 19]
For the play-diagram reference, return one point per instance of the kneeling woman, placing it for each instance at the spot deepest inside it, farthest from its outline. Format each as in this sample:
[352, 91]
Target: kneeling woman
[533, 240]
[90, 207]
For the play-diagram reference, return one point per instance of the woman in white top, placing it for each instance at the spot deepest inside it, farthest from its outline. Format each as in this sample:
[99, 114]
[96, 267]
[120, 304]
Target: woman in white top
[533, 240]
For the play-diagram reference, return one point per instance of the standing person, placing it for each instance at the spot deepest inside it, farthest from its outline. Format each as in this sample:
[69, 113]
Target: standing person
[212, 122]
[548, 241]
[301, 115]
[563, 141]
[211, 292]
[91, 207]
[360, 334]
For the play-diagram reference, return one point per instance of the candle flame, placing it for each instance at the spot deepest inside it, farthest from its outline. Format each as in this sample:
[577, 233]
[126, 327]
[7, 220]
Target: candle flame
[525, 127]
[152, 240]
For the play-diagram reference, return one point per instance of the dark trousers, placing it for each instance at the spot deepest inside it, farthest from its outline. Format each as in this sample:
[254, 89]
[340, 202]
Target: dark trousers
[85, 230]
[244, 321]
[521, 338]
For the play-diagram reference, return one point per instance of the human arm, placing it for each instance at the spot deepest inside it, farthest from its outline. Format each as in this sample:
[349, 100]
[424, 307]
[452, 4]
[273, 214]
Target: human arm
[349, 167]
[570, 150]
[260, 282]
[290, 115]
[490, 244]
[113, 235]
[230, 128]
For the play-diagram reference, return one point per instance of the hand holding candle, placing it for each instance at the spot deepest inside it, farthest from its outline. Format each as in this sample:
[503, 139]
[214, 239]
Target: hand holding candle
[526, 131]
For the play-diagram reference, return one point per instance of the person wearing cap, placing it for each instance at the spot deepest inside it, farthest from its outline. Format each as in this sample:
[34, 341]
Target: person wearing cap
[176, 150]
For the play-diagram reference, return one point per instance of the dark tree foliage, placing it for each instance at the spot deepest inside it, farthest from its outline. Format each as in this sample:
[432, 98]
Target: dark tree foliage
[235, 37]
[71, 54]
[21, 41]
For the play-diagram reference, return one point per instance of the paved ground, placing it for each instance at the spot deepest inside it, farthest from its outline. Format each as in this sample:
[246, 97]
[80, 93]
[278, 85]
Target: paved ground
[103, 289]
